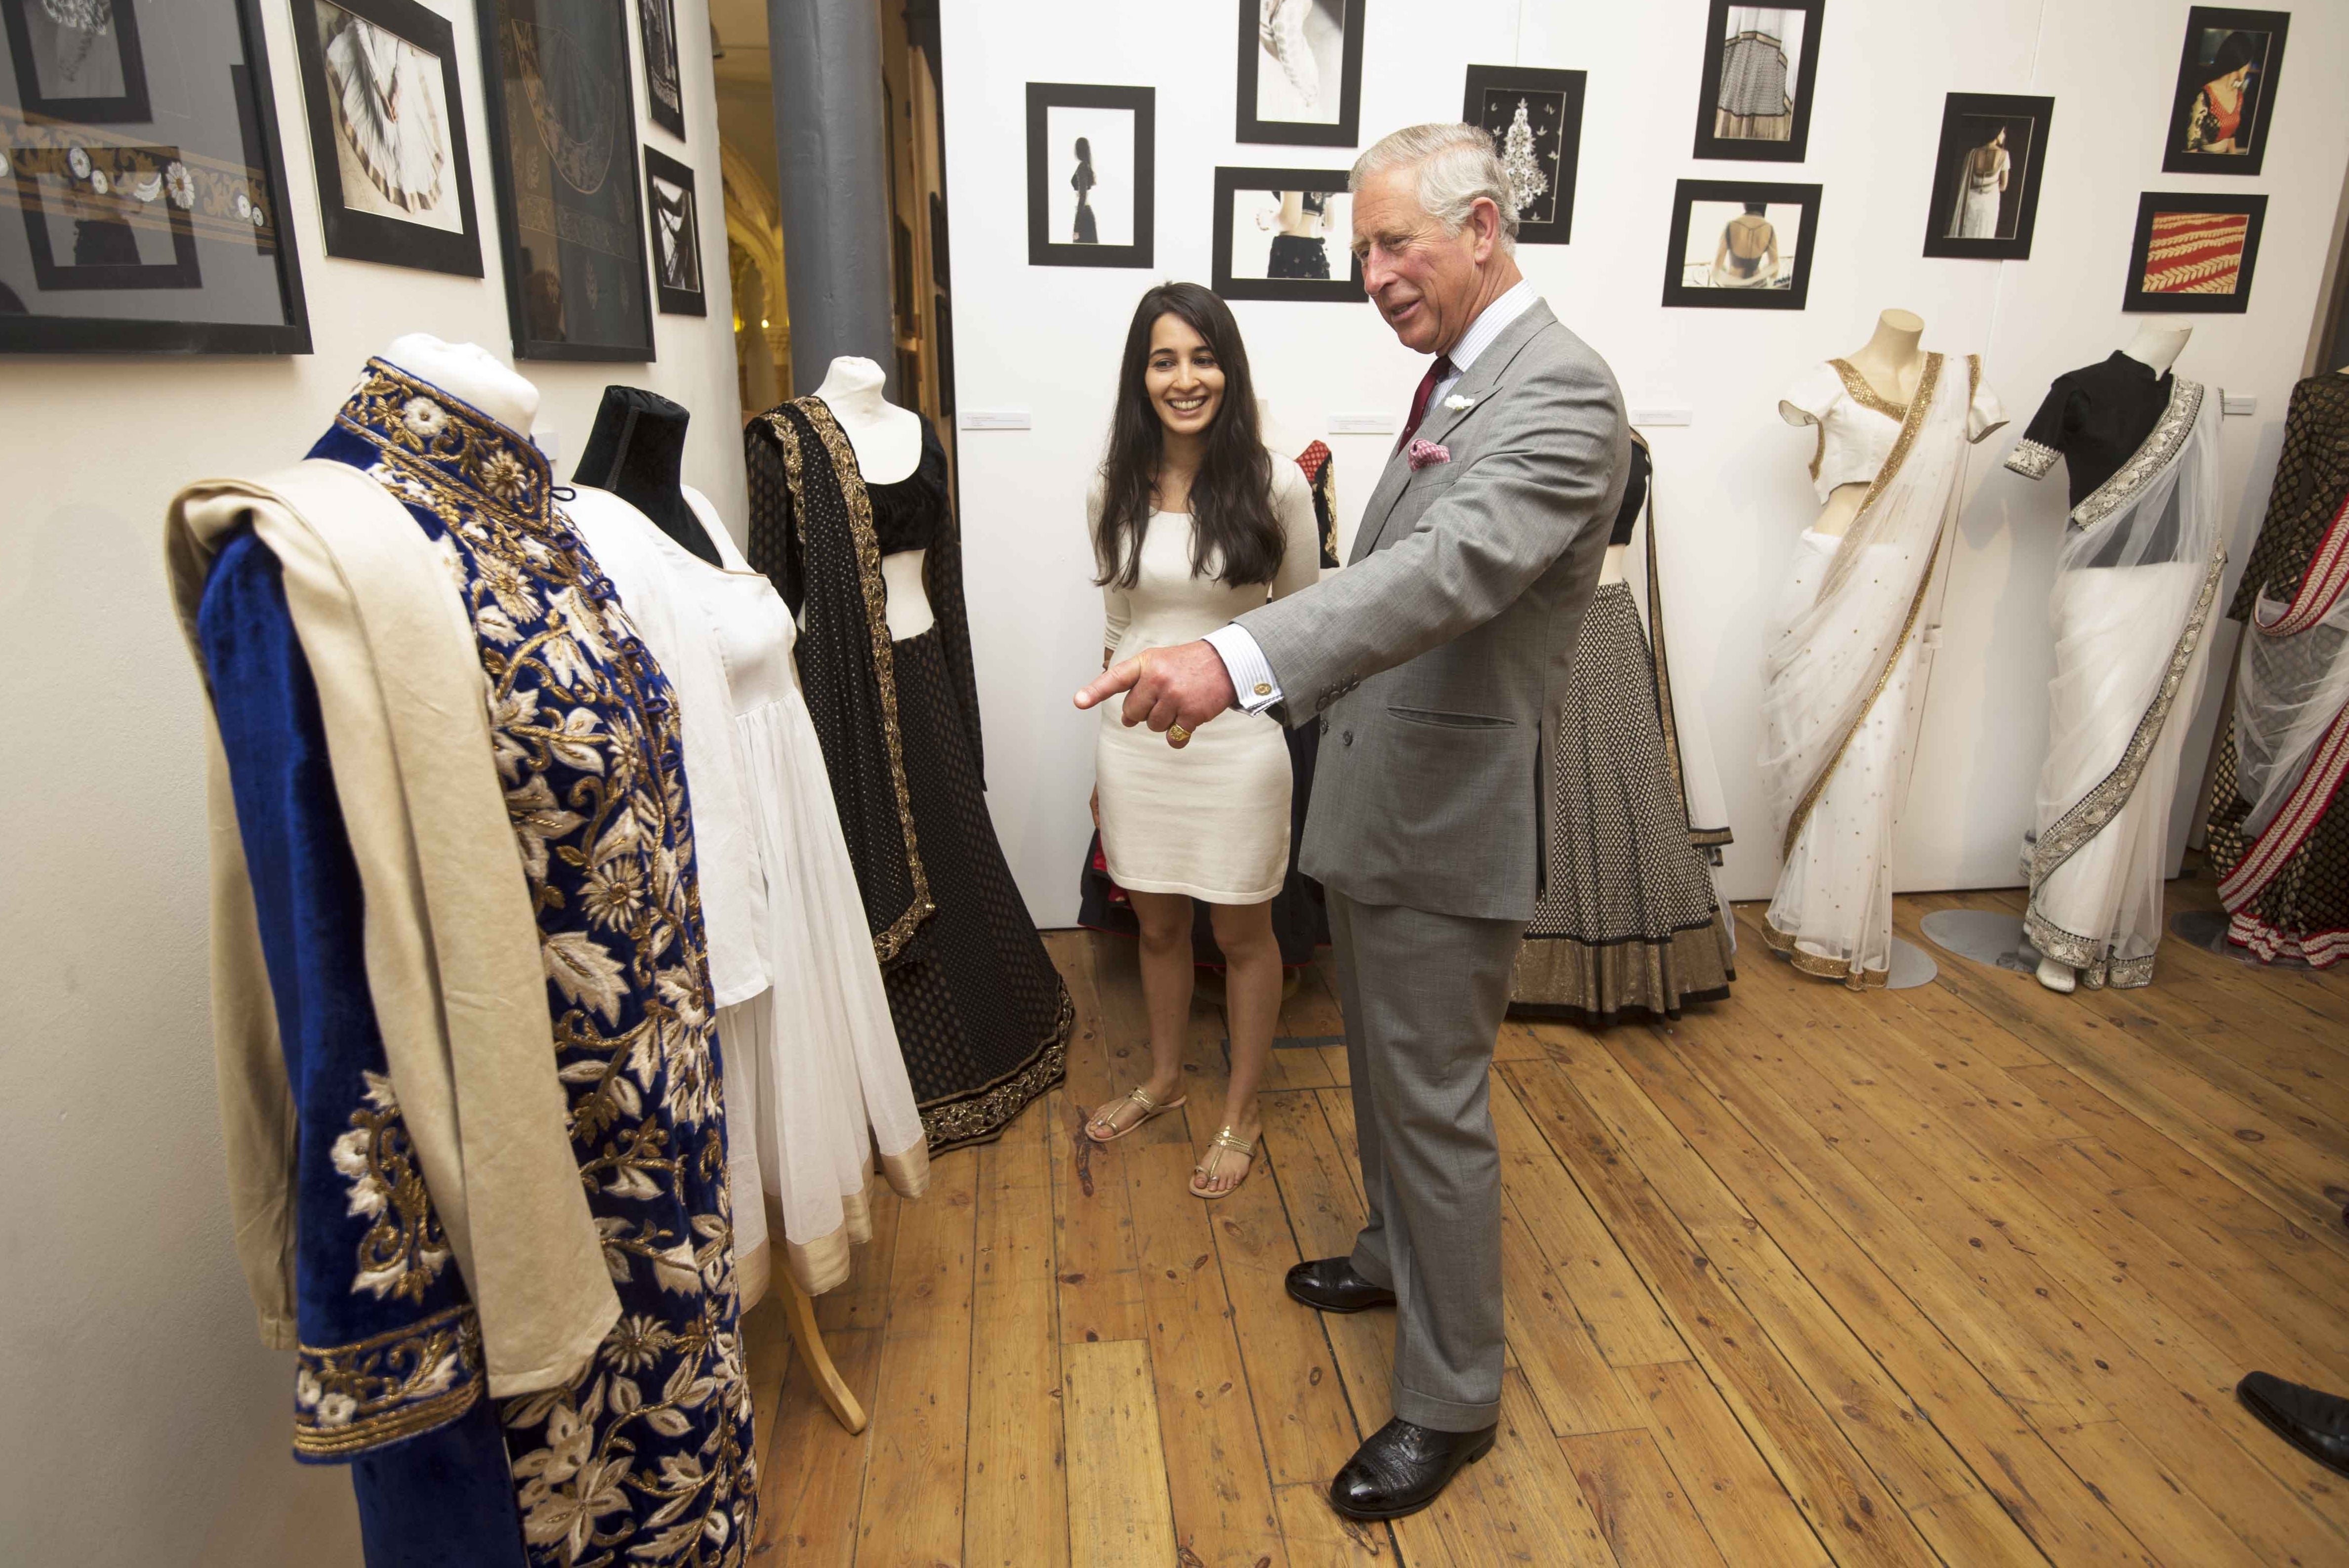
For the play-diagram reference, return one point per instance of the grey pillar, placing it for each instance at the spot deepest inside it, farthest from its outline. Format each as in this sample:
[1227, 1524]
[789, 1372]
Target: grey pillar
[832, 148]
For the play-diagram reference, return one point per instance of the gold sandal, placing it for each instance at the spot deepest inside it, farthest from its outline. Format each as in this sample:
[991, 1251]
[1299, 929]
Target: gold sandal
[1210, 1166]
[1150, 1111]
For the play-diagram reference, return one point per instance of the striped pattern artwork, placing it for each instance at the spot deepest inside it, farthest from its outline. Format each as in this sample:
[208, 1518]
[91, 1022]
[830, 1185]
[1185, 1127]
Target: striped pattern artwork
[2194, 252]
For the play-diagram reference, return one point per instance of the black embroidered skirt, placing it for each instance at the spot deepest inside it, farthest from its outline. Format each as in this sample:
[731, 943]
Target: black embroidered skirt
[981, 1014]
[1631, 924]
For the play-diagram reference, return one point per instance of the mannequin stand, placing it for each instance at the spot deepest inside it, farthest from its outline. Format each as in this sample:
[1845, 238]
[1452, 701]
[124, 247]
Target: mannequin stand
[2206, 929]
[1985, 936]
[799, 1308]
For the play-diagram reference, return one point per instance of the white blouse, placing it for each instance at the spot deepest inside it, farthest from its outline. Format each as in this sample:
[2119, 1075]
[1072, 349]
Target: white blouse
[1857, 425]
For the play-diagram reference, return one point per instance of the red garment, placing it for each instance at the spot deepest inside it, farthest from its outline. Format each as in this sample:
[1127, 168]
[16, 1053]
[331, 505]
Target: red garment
[2225, 120]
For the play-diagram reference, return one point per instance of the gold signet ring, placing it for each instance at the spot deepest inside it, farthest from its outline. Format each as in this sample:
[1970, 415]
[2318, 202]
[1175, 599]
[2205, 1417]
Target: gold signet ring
[1178, 735]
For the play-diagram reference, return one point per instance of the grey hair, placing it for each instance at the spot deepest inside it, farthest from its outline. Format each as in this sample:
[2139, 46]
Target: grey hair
[1456, 165]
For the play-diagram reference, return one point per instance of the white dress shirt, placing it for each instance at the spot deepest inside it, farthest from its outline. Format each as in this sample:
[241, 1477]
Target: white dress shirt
[1251, 672]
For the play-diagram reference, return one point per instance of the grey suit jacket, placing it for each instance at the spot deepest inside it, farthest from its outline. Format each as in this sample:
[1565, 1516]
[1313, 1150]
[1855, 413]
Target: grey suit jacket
[1437, 661]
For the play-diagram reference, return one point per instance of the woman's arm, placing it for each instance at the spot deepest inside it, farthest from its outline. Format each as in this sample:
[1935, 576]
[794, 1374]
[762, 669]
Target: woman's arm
[1300, 531]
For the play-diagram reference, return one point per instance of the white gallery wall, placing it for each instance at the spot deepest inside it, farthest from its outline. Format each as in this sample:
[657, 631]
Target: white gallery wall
[148, 1426]
[1732, 488]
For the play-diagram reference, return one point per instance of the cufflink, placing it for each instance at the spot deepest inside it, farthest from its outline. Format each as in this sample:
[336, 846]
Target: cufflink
[1264, 688]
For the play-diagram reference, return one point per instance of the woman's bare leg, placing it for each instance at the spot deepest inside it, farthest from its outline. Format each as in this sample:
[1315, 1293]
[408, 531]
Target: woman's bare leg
[1165, 920]
[1252, 1004]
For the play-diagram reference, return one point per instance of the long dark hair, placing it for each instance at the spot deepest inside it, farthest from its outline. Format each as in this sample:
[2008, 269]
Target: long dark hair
[1233, 529]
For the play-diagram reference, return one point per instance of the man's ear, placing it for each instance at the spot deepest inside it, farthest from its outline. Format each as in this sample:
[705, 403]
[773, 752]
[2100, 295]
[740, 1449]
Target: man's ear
[1485, 218]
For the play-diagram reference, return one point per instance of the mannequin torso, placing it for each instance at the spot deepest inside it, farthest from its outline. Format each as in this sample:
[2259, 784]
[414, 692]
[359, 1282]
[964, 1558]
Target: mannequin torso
[2158, 346]
[636, 451]
[469, 371]
[887, 442]
[1892, 361]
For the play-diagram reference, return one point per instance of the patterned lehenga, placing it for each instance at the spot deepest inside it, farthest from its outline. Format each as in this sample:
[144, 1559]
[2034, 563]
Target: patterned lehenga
[2279, 830]
[981, 1012]
[644, 1454]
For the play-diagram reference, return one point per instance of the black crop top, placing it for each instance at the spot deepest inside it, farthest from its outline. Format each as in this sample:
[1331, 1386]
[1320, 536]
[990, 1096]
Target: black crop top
[2095, 419]
[1635, 496]
[907, 512]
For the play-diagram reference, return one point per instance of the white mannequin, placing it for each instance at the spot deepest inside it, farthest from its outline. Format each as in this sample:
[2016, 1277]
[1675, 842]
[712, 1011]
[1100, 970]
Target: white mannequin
[887, 442]
[2156, 347]
[469, 371]
[1892, 362]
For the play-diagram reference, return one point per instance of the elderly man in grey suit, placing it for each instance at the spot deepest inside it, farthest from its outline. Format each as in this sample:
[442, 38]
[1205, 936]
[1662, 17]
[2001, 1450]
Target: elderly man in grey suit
[1435, 666]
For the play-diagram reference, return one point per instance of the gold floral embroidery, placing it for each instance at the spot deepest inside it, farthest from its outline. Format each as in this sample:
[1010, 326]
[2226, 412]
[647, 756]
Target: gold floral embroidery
[351, 1397]
[404, 1248]
[983, 1113]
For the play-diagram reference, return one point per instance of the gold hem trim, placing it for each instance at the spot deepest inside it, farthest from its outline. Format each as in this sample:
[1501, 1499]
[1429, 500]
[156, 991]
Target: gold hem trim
[1914, 419]
[397, 1356]
[821, 1264]
[891, 939]
[909, 1172]
[1782, 944]
[981, 1114]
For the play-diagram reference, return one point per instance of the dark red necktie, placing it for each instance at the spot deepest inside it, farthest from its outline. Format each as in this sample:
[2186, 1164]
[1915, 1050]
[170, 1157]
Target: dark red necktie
[1439, 371]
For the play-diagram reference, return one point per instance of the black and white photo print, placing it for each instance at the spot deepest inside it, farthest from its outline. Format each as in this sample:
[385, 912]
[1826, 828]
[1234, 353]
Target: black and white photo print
[77, 60]
[1741, 245]
[1753, 97]
[1535, 118]
[1985, 198]
[1284, 233]
[1300, 72]
[386, 133]
[663, 90]
[1090, 184]
[676, 236]
[2225, 94]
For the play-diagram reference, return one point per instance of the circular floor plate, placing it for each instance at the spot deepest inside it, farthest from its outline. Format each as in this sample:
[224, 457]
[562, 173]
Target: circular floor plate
[1911, 966]
[2206, 929]
[1983, 935]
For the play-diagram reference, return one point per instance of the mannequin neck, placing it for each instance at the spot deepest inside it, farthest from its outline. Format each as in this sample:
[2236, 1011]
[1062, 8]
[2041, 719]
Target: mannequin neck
[2158, 347]
[1895, 348]
[636, 451]
[887, 440]
[469, 372]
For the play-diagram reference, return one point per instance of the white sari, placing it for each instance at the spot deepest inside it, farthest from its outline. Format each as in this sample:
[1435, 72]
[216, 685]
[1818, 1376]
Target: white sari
[2131, 607]
[1843, 692]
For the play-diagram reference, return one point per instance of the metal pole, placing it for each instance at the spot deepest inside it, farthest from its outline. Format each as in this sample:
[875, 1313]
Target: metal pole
[830, 145]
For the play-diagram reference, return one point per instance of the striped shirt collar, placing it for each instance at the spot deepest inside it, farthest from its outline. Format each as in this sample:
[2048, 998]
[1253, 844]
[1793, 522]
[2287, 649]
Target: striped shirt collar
[1494, 320]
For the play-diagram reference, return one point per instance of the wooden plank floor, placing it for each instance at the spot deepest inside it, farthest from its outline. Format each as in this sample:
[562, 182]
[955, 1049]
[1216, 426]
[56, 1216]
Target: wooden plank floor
[1963, 1274]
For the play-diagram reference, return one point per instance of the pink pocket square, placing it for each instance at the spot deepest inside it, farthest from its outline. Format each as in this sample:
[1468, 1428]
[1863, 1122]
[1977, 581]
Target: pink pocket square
[1423, 453]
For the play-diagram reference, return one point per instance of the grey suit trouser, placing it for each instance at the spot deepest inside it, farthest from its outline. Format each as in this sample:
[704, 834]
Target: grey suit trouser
[1423, 997]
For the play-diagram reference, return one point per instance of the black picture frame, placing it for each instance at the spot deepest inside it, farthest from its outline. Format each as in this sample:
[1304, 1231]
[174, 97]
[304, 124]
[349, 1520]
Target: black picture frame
[1230, 184]
[1553, 101]
[217, 189]
[1966, 122]
[1346, 129]
[2257, 102]
[1687, 193]
[1045, 182]
[131, 105]
[1713, 119]
[383, 234]
[664, 80]
[2189, 258]
[580, 177]
[686, 293]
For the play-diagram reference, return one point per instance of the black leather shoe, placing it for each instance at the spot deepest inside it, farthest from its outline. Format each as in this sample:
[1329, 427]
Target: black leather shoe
[1332, 1285]
[1404, 1468]
[2314, 1422]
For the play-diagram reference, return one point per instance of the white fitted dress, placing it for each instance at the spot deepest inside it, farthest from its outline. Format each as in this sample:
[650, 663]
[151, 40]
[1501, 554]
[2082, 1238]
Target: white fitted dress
[1210, 819]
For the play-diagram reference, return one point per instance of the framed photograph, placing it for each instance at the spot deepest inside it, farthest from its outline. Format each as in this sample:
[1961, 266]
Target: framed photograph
[676, 236]
[562, 120]
[1284, 233]
[1300, 72]
[1985, 196]
[1535, 118]
[165, 237]
[664, 87]
[2193, 254]
[77, 60]
[1092, 158]
[1740, 246]
[2227, 75]
[1761, 66]
[388, 134]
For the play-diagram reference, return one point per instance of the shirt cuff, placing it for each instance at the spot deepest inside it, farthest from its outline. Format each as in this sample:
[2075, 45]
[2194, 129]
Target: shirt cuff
[1245, 662]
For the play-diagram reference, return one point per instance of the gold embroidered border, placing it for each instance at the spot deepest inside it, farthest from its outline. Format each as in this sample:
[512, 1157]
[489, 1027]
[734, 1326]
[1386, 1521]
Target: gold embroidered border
[2095, 810]
[1782, 944]
[390, 1384]
[983, 1113]
[1867, 396]
[1900, 454]
[890, 942]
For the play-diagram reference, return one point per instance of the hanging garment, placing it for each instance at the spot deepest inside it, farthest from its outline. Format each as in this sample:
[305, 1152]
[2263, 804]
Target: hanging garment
[1631, 923]
[1841, 678]
[1753, 105]
[815, 1081]
[2279, 836]
[643, 1445]
[384, 106]
[1300, 915]
[2142, 557]
[1982, 184]
[981, 1014]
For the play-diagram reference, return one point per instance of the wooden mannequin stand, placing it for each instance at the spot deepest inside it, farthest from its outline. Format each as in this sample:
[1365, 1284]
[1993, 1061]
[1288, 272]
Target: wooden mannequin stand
[799, 1309]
